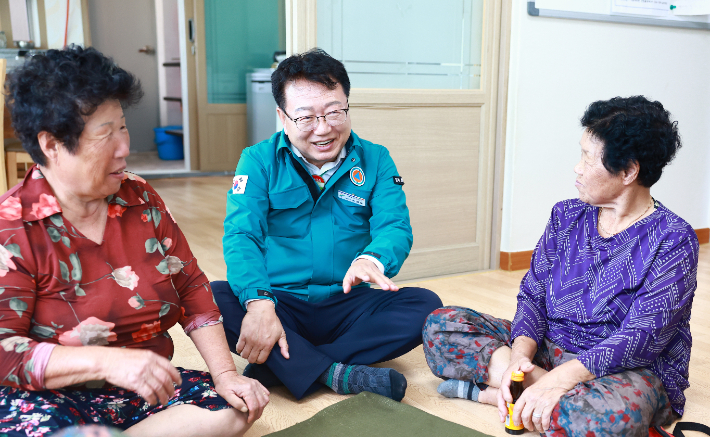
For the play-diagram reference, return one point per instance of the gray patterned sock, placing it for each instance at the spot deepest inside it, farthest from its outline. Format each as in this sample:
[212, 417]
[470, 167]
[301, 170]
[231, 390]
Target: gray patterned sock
[454, 388]
[345, 379]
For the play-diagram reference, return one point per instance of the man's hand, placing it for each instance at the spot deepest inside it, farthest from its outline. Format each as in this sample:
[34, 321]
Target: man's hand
[261, 329]
[365, 270]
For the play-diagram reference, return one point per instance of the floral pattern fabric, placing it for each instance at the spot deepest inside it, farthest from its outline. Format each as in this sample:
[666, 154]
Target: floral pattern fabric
[459, 342]
[59, 287]
[42, 413]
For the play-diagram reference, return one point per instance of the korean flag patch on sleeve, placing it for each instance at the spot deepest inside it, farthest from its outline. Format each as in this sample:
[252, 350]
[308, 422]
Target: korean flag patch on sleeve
[239, 184]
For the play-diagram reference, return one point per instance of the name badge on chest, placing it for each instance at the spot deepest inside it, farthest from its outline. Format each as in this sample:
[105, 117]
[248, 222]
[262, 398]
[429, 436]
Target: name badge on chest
[351, 198]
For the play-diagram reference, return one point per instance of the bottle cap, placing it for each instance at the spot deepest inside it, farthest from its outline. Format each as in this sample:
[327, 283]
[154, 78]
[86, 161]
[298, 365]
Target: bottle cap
[518, 376]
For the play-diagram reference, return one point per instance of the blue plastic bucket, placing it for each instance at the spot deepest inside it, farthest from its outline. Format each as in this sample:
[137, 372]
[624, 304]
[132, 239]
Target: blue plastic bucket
[169, 146]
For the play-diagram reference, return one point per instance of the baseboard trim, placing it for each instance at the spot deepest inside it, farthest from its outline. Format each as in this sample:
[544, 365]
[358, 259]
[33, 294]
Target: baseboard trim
[510, 261]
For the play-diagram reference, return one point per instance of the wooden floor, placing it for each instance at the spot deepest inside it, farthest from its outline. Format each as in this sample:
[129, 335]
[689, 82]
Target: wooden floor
[149, 162]
[198, 205]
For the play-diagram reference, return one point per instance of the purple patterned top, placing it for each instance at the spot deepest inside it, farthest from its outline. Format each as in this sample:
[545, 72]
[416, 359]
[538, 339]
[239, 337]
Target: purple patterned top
[621, 302]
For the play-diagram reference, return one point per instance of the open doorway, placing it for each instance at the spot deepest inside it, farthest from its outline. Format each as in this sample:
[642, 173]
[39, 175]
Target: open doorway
[193, 58]
[151, 50]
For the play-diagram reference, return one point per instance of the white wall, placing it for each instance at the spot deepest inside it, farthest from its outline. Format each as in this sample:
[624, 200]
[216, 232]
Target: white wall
[56, 16]
[557, 68]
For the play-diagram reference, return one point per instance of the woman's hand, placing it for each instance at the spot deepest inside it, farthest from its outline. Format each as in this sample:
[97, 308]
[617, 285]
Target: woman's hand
[540, 399]
[520, 364]
[534, 407]
[244, 394]
[151, 376]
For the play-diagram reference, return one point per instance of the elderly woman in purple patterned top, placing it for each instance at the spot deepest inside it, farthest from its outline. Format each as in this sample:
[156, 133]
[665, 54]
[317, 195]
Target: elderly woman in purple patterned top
[602, 324]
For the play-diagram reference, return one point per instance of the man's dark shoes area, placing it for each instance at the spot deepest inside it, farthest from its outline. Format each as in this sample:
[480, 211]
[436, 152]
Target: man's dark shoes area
[263, 374]
[345, 379]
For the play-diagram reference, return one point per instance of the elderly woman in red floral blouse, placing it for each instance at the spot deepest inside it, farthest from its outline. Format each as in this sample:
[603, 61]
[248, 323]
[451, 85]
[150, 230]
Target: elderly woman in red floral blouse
[94, 270]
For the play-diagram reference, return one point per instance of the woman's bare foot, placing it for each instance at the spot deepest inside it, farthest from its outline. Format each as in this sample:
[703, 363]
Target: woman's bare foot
[488, 396]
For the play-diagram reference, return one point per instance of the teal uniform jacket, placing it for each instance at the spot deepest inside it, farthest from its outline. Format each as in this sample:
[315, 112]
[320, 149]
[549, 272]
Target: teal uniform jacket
[282, 233]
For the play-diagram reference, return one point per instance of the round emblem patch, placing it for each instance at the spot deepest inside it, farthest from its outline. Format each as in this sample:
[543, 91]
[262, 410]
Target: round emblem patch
[357, 176]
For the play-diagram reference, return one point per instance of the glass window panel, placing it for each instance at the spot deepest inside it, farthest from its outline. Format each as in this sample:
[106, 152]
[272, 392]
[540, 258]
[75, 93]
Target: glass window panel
[240, 35]
[406, 43]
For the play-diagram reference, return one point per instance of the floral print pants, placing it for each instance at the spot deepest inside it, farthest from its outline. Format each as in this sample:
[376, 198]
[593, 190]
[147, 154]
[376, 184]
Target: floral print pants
[458, 343]
[42, 413]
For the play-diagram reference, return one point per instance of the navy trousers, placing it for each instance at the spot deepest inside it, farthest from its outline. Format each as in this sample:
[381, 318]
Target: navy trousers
[365, 326]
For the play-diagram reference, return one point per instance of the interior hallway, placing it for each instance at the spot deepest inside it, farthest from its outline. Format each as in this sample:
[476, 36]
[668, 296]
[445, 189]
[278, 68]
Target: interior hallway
[198, 205]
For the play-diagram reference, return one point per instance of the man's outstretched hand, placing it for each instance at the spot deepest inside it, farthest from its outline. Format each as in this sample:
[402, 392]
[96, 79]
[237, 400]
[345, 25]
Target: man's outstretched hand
[261, 330]
[365, 270]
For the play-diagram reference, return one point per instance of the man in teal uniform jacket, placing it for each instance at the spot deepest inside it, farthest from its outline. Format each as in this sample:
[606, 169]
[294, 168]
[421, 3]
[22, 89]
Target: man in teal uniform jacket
[314, 215]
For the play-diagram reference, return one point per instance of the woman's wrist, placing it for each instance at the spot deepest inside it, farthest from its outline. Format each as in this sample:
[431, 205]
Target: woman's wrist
[518, 357]
[523, 348]
[103, 357]
[571, 373]
[216, 375]
[69, 365]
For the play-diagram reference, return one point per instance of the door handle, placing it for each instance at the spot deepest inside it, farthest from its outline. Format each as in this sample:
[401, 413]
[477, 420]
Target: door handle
[148, 50]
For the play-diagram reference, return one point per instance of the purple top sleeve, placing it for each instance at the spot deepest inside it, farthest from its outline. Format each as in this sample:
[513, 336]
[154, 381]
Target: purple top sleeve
[619, 303]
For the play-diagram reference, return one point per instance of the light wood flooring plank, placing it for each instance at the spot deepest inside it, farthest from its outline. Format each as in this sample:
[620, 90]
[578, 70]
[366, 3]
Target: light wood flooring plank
[198, 205]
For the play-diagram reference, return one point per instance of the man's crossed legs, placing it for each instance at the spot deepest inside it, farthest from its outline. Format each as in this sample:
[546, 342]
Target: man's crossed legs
[327, 339]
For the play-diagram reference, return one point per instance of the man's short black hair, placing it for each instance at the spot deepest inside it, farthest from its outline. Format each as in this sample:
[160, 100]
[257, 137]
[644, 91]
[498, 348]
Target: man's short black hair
[52, 92]
[314, 65]
[633, 129]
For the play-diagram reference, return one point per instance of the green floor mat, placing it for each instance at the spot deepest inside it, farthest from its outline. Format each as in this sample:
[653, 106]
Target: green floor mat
[368, 414]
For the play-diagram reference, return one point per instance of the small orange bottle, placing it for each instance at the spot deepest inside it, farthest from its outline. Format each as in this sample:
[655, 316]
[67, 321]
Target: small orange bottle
[516, 389]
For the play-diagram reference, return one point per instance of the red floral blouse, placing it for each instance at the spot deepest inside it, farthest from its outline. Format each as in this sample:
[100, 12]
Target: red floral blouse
[59, 287]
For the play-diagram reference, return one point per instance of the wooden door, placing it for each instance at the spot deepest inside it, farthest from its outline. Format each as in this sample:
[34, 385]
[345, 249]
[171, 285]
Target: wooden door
[443, 143]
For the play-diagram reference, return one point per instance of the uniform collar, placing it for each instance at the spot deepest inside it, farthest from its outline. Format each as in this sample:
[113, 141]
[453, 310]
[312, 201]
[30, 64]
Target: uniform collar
[327, 167]
[38, 200]
[284, 144]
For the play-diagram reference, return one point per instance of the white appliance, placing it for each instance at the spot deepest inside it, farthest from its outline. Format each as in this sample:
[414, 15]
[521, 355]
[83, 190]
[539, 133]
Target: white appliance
[261, 107]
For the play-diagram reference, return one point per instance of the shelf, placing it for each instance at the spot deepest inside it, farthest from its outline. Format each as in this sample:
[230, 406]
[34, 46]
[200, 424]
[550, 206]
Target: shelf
[171, 64]
[173, 99]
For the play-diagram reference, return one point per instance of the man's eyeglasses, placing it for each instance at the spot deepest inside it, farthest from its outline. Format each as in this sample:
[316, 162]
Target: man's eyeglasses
[310, 122]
